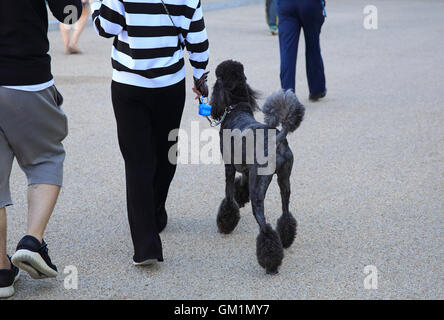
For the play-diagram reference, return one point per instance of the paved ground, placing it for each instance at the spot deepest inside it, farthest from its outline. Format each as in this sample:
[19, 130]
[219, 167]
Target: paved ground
[368, 181]
[208, 5]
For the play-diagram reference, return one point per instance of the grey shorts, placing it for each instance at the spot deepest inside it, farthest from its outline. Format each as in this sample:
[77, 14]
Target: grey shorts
[32, 128]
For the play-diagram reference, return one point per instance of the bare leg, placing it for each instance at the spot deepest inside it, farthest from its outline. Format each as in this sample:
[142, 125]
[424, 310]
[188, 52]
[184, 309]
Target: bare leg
[4, 261]
[41, 201]
[78, 29]
[65, 31]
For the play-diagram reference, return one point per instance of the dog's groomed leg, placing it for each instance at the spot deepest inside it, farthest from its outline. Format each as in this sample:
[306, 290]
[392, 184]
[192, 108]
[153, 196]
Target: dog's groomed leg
[269, 248]
[286, 224]
[228, 215]
[241, 190]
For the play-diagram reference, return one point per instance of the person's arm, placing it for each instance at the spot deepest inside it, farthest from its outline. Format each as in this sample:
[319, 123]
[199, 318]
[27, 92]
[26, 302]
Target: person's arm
[196, 42]
[66, 11]
[108, 17]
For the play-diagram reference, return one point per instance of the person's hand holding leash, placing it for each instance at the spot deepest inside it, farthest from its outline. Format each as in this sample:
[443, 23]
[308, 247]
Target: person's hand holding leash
[200, 86]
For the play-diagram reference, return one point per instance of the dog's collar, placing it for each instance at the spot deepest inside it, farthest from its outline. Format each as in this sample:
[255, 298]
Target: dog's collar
[214, 123]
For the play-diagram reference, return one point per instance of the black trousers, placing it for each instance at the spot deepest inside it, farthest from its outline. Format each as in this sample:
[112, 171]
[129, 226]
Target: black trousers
[144, 118]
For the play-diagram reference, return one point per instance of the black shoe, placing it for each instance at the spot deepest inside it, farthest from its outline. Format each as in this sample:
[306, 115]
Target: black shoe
[161, 219]
[317, 96]
[32, 256]
[7, 279]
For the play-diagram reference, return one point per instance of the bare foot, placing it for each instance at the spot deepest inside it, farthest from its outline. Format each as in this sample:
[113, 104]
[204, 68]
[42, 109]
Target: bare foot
[74, 50]
[4, 263]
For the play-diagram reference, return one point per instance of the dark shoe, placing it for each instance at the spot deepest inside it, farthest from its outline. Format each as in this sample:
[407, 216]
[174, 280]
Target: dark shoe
[32, 256]
[162, 219]
[317, 96]
[7, 279]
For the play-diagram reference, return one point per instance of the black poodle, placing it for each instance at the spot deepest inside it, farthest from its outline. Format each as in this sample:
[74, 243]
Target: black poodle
[233, 105]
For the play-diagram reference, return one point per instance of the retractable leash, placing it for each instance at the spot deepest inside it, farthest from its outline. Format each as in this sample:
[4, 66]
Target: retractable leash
[204, 107]
[205, 110]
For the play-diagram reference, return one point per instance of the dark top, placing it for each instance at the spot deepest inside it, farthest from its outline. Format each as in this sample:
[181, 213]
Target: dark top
[24, 45]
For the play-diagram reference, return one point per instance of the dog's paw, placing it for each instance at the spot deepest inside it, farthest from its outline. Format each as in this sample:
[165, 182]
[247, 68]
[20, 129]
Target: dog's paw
[241, 192]
[286, 227]
[228, 216]
[269, 250]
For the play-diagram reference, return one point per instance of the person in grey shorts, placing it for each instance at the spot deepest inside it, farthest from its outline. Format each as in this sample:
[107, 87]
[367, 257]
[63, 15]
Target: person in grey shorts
[32, 128]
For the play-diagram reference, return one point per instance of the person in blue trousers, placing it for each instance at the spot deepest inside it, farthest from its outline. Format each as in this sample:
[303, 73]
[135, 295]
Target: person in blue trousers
[308, 15]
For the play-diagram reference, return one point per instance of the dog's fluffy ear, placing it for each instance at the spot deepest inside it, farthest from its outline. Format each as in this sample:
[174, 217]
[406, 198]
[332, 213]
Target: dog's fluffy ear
[220, 99]
[253, 95]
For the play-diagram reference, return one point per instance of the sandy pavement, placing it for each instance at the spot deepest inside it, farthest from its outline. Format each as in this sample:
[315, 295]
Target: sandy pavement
[368, 180]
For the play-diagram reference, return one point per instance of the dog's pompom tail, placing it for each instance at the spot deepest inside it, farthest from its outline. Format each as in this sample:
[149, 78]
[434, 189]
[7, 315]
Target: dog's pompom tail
[283, 108]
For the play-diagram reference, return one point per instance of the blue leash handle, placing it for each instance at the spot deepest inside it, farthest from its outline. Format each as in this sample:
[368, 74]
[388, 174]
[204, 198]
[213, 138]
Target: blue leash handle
[204, 107]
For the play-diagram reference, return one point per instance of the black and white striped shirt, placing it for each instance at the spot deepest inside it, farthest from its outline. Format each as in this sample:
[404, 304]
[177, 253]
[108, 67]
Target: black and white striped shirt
[147, 48]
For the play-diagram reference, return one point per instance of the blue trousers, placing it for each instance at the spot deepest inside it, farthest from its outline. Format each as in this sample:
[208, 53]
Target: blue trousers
[294, 15]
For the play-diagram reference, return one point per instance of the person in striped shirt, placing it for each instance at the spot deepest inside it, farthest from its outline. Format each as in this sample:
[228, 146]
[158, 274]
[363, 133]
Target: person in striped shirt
[148, 95]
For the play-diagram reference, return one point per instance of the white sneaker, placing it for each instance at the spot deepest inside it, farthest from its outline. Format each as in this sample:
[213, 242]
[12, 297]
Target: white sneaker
[8, 277]
[147, 262]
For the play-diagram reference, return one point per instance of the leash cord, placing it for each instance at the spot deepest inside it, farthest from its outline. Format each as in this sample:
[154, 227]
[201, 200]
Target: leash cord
[214, 123]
